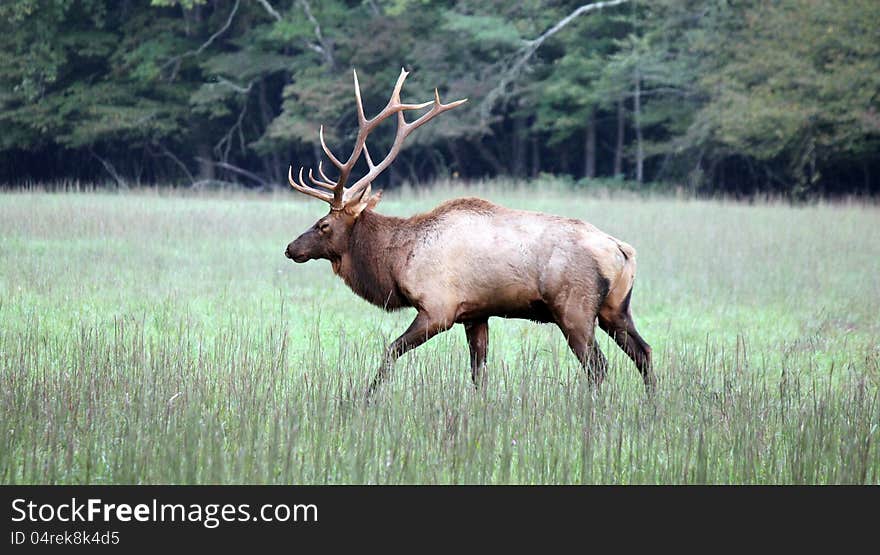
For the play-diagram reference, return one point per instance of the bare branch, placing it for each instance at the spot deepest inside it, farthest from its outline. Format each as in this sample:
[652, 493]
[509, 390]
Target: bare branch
[235, 169]
[167, 152]
[177, 59]
[323, 47]
[525, 53]
[223, 146]
[270, 10]
[110, 169]
[235, 86]
[377, 11]
[317, 48]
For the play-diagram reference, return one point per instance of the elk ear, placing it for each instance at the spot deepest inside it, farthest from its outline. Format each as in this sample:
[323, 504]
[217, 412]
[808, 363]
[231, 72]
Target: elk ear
[374, 200]
[364, 201]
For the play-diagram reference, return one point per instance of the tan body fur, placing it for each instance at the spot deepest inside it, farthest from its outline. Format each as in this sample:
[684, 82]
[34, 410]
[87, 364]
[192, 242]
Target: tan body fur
[473, 259]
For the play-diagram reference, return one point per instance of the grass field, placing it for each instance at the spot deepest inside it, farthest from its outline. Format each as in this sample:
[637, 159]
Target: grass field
[161, 337]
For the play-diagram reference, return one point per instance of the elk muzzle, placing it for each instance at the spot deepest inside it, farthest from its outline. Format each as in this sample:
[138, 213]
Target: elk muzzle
[296, 253]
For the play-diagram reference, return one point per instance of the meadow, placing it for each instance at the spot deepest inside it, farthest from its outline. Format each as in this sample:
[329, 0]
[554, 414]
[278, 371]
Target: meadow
[160, 336]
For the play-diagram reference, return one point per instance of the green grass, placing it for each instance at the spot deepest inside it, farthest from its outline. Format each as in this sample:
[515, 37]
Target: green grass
[161, 337]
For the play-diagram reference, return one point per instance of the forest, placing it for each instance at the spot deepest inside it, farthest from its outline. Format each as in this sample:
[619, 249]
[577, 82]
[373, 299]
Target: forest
[713, 96]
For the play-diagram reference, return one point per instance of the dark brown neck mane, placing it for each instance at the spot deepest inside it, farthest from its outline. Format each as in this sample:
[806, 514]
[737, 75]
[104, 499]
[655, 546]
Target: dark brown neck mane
[368, 268]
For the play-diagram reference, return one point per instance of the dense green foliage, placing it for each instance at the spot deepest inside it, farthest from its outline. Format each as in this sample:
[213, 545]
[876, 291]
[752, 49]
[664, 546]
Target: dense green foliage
[713, 95]
[156, 337]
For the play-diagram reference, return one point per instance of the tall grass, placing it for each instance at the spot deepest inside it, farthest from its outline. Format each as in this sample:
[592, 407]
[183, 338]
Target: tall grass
[161, 337]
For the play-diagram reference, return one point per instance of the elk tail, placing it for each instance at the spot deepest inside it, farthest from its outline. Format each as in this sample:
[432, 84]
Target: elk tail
[629, 253]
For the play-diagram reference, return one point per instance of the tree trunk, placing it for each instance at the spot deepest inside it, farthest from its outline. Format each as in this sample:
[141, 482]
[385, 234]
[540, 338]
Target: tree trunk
[487, 156]
[205, 155]
[618, 149]
[637, 123]
[564, 162]
[272, 162]
[458, 166]
[536, 157]
[318, 154]
[518, 162]
[590, 147]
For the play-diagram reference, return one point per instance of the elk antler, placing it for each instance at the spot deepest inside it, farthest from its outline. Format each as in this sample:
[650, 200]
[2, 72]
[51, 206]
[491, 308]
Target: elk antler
[336, 193]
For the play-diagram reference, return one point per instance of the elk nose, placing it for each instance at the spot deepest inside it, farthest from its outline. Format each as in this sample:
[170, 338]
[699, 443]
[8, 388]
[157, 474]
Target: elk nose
[287, 252]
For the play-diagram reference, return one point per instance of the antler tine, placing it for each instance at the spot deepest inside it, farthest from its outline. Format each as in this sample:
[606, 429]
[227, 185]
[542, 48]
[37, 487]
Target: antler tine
[438, 109]
[302, 188]
[321, 172]
[395, 102]
[321, 183]
[366, 192]
[327, 151]
[369, 159]
[362, 119]
[398, 87]
[394, 105]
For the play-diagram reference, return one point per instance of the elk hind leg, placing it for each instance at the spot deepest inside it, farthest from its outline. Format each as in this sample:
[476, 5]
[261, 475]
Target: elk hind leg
[618, 323]
[579, 331]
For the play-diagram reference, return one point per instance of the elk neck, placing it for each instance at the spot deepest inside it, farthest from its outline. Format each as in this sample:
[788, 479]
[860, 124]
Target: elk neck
[368, 265]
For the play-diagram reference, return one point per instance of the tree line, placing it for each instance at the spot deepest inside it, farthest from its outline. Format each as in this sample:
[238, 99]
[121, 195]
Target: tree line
[724, 96]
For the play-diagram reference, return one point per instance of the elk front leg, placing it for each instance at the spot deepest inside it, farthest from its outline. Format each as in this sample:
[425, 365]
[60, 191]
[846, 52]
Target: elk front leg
[423, 328]
[478, 342]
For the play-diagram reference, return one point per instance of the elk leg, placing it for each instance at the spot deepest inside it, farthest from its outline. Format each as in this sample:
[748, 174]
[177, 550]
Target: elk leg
[581, 339]
[478, 342]
[623, 330]
[599, 362]
[422, 329]
[586, 349]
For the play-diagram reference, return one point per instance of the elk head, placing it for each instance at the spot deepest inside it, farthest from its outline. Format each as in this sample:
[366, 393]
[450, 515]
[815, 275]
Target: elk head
[328, 237]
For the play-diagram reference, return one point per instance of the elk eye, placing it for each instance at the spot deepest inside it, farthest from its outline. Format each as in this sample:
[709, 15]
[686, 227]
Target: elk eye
[324, 227]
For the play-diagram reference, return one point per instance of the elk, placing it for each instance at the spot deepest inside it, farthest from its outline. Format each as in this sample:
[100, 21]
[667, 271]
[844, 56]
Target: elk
[468, 259]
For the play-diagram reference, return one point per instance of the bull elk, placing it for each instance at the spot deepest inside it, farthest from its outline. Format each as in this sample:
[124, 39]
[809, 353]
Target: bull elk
[468, 259]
